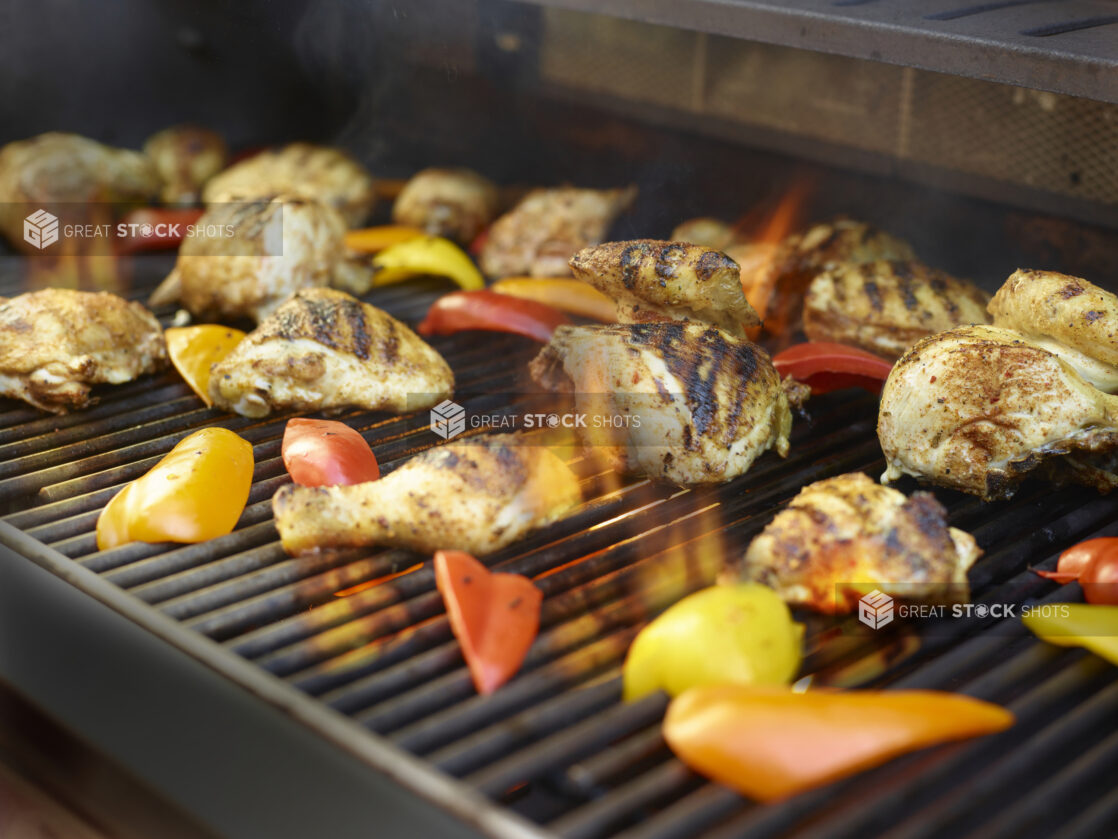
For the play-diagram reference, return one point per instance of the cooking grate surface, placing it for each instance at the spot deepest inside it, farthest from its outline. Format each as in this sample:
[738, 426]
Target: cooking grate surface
[555, 745]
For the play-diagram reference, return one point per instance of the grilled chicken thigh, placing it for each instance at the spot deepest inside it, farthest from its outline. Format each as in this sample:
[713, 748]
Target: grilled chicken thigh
[476, 496]
[1068, 316]
[886, 307]
[678, 401]
[549, 226]
[455, 203]
[841, 537]
[978, 407]
[259, 253]
[653, 280]
[56, 343]
[324, 349]
[186, 156]
[323, 174]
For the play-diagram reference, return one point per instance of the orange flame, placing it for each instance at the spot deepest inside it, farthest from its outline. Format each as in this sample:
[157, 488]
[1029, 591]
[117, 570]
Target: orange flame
[368, 584]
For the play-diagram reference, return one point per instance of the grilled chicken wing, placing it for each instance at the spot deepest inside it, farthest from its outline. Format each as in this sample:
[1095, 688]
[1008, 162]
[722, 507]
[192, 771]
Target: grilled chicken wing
[56, 343]
[549, 226]
[677, 401]
[186, 156]
[323, 174]
[324, 349]
[651, 280]
[251, 256]
[476, 496]
[978, 407]
[840, 537]
[1068, 316]
[886, 307]
[455, 203]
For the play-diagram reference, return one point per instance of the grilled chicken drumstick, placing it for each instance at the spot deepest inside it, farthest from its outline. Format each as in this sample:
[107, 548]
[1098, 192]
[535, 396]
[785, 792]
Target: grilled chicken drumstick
[476, 496]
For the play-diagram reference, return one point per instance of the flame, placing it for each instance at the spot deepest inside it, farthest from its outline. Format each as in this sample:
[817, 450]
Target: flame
[368, 584]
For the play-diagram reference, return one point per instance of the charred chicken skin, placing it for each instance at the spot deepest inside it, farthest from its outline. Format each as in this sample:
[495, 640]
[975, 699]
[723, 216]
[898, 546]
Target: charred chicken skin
[701, 405]
[56, 343]
[454, 203]
[844, 536]
[885, 307]
[186, 157]
[476, 496]
[540, 234]
[652, 280]
[323, 349]
[978, 407]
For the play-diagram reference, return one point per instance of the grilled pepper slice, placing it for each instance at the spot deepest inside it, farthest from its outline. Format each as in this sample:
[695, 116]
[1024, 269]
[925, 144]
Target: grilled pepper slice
[740, 633]
[770, 743]
[1077, 625]
[156, 229]
[826, 366]
[376, 239]
[1094, 563]
[491, 311]
[196, 492]
[426, 255]
[195, 349]
[320, 453]
[565, 294]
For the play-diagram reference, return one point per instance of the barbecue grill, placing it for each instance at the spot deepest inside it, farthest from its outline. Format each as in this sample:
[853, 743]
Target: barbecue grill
[226, 689]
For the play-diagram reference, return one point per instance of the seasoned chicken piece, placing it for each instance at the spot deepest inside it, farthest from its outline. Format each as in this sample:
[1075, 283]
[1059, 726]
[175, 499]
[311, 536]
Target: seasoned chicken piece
[978, 407]
[476, 496]
[186, 156]
[455, 203]
[56, 343]
[67, 168]
[844, 536]
[678, 401]
[549, 226]
[316, 172]
[246, 258]
[324, 349]
[886, 307]
[1070, 317]
[708, 232]
[652, 280]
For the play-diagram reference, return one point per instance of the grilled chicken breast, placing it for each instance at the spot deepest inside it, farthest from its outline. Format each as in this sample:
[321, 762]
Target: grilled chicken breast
[258, 254]
[844, 536]
[476, 496]
[549, 226]
[322, 174]
[677, 401]
[1068, 316]
[455, 203]
[324, 349]
[56, 343]
[978, 407]
[185, 156]
[653, 280]
[886, 307]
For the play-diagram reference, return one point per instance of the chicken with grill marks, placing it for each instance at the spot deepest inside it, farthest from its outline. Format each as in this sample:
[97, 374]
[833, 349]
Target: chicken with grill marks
[1067, 316]
[454, 203]
[651, 280]
[476, 496]
[186, 156]
[977, 408]
[844, 536]
[549, 226]
[323, 349]
[887, 306]
[676, 400]
[56, 343]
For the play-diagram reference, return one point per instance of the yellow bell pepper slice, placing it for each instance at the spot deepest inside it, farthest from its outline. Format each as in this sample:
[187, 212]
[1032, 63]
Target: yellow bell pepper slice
[195, 349]
[565, 294]
[196, 492]
[1094, 628]
[376, 239]
[426, 255]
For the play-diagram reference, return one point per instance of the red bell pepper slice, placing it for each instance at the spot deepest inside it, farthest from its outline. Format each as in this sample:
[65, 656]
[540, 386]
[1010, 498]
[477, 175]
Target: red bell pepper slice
[327, 453]
[495, 617]
[1094, 563]
[494, 312]
[827, 366]
[156, 228]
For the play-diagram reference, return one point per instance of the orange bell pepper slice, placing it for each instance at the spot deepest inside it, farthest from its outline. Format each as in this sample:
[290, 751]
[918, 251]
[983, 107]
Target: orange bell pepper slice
[376, 239]
[565, 294]
[495, 617]
[195, 349]
[770, 743]
[196, 492]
